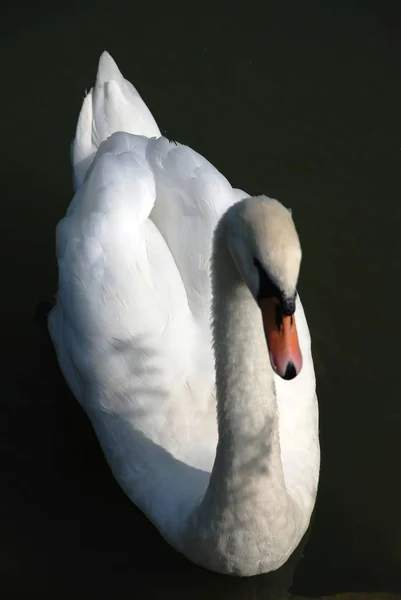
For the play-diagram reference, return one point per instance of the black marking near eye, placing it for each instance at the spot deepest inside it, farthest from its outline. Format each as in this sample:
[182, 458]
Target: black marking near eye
[268, 289]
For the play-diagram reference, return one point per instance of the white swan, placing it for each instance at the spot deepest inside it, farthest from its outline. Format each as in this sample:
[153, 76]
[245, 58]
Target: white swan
[133, 338]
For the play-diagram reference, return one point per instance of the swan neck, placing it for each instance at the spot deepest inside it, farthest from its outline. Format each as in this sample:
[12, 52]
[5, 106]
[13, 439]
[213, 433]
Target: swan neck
[246, 401]
[246, 498]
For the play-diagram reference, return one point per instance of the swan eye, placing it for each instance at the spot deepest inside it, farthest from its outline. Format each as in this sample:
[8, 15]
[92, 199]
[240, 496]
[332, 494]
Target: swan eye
[268, 289]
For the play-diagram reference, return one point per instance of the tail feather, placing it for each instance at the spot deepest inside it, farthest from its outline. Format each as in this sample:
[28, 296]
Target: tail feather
[108, 70]
[112, 105]
[83, 150]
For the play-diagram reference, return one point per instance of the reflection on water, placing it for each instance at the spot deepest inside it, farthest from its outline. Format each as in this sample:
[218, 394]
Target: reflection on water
[300, 100]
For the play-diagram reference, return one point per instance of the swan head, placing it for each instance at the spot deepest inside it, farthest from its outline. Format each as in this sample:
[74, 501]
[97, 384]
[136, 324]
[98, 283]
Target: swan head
[264, 244]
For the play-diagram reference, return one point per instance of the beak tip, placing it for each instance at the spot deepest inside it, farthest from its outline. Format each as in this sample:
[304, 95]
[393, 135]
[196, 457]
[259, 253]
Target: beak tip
[290, 372]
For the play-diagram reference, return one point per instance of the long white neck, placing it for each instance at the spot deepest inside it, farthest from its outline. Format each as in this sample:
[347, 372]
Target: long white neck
[246, 515]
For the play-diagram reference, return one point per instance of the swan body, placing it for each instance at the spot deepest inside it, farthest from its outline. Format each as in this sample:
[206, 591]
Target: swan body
[154, 242]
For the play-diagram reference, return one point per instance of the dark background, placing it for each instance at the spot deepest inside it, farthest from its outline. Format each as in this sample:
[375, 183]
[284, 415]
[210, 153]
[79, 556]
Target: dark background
[300, 100]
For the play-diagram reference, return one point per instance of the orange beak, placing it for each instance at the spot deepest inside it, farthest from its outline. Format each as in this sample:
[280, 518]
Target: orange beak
[282, 339]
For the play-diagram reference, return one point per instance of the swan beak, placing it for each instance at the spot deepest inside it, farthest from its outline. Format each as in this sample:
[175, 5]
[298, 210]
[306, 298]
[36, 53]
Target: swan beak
[282, 339]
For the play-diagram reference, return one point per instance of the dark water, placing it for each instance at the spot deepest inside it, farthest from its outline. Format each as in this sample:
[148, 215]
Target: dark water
[301, 100]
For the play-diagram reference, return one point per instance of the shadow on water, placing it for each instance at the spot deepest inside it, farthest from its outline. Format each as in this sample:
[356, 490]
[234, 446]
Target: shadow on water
[301, 100]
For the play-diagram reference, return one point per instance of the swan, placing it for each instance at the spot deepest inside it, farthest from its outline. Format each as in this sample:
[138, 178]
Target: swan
[178, 327]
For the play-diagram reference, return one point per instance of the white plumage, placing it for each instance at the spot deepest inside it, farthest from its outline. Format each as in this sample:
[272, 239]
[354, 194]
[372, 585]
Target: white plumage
[133, 336]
